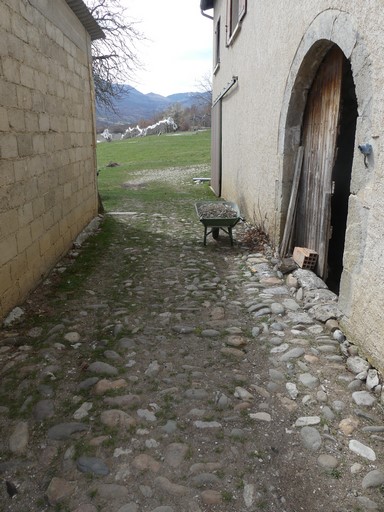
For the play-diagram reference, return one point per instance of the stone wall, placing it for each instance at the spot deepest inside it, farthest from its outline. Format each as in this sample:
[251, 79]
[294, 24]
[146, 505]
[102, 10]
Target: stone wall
[275, 55]
[48, 187]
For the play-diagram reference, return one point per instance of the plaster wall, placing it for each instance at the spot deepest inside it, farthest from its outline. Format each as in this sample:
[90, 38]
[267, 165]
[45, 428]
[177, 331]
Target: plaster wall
[48, 188]
[275, 56]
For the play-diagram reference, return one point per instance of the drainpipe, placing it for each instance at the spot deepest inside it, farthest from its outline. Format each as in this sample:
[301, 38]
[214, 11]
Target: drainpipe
[226, 89]
[206, 15]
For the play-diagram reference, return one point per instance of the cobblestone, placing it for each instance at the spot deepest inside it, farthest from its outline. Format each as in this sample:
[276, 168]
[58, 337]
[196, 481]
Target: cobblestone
[180, 377]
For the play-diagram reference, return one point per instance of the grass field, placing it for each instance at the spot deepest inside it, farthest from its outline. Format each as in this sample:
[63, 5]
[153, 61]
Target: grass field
[146, 160]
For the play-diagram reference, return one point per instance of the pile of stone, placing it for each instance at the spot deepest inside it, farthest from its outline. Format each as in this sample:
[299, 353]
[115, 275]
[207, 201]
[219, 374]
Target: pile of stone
[322, 304]
[216, 210]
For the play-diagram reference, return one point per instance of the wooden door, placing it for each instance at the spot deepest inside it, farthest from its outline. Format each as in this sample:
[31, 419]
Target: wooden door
[319, 137]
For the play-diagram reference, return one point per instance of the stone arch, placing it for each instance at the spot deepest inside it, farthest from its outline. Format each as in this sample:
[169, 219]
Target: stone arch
[330, 27]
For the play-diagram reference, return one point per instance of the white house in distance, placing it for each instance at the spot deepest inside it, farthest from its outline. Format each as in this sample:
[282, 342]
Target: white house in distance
[310, 75]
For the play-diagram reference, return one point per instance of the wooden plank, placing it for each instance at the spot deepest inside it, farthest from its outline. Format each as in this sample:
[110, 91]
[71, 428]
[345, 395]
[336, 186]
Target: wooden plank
[292, 203]
[319, 139]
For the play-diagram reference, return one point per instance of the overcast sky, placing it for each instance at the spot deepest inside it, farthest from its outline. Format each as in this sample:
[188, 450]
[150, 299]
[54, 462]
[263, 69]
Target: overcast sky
[178, 50]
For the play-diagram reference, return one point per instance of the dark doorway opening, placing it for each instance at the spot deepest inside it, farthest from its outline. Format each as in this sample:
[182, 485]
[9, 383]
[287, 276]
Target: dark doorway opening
[320, 131]
[341, 178]
[328, 139]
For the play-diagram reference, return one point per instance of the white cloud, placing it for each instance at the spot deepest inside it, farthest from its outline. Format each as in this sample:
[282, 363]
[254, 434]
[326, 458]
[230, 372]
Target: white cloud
[178, 49]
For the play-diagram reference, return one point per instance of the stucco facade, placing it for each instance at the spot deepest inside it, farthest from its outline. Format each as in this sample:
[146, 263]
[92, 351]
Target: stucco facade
[274, 55]
[48, 191]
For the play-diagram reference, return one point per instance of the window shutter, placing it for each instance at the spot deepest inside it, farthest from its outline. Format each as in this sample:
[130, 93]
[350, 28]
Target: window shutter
[228, 22]
[217, 43]
[242, 9]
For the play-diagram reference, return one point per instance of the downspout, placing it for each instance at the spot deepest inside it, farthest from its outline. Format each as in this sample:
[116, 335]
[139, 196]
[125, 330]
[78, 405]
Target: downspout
[206, 15]
[226, 89]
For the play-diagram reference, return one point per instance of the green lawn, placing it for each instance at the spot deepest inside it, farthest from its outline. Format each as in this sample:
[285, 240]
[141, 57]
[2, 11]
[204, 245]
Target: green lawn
[142, 157]
[154, 152]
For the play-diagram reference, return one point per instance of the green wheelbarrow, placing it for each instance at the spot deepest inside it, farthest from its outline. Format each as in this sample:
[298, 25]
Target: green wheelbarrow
[216, 216]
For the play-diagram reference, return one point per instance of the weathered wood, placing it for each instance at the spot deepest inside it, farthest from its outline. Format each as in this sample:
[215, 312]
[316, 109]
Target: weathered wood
[289, 223]
[319, 140]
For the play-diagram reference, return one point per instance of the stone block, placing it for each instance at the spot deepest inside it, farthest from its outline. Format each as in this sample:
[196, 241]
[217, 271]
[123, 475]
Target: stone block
[7, 173]
[62, 246]
[55, 122]
[33, 37]
[19, 27]
[48, 220]
[58, 141]
[17, 194]
[4, 123]
[16, 118]
[5, 279]
[31, 122]
[44, 244]
[40, 79]
[36, 165]
[24, 144]
[24, 238]
[11, 70]
[63, 227]
[38, 101]
[54, 234]
[356, 235]
[8, 249]
[5, 19]
[57, 211]
[26, 284]
[37, 228]
[8, 145]
[33, 257]
[60, 90]
[26, 76]
[18, 266]
[15, 48]
[38, 143]
[23, 97]
[21, 170]
[67, 190]
[25, 214]
[44, 123]
[9, 223]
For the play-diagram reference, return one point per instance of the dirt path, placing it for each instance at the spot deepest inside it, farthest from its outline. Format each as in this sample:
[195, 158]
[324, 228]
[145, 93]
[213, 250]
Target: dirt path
[150, 374]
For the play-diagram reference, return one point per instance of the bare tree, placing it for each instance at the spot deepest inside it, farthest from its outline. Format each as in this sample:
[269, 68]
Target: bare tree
[114, 58]
[204, 87]
[204, 100]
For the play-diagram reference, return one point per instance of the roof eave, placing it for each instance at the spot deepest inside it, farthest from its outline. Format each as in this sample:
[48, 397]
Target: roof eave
[86, 18]
[206, 4]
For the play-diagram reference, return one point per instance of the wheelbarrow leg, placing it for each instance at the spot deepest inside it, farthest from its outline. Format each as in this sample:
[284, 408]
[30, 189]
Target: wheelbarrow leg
[230, 234]
[205, 235]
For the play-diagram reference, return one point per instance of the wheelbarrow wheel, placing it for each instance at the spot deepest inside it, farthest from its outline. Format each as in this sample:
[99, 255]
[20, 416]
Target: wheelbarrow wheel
[215, 233]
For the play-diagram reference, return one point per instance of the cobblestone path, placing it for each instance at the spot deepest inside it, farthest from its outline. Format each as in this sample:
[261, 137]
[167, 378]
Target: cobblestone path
[182, 378]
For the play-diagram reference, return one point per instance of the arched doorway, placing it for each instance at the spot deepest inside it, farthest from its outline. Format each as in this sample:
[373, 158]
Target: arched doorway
[330, 27]
[328, 136]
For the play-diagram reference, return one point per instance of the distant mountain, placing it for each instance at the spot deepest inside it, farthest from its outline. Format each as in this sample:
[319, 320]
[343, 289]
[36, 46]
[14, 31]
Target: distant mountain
[135, 106]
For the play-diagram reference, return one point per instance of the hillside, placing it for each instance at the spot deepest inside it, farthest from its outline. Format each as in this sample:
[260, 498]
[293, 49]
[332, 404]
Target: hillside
[135, 106]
